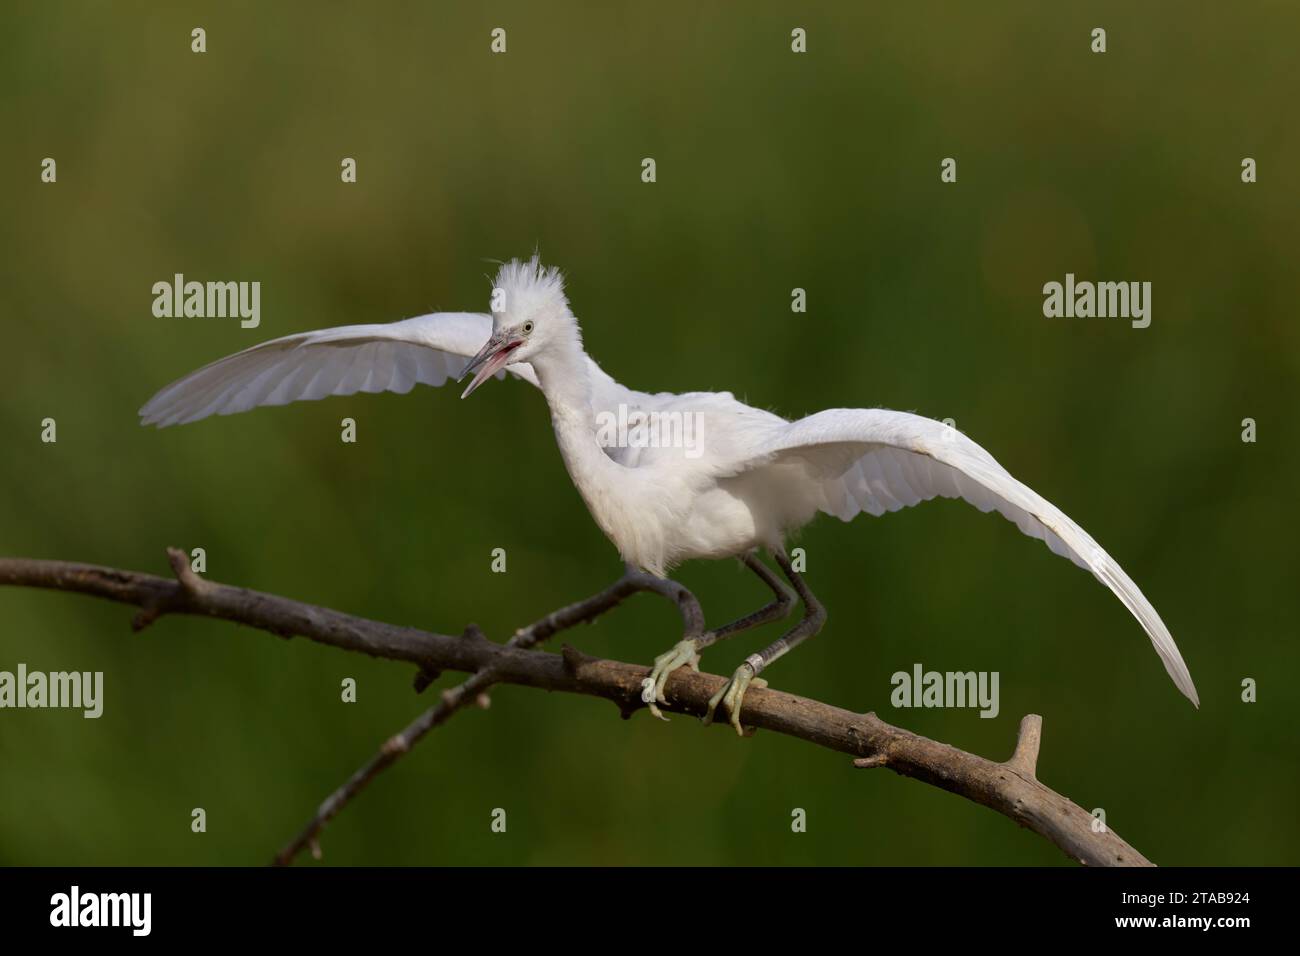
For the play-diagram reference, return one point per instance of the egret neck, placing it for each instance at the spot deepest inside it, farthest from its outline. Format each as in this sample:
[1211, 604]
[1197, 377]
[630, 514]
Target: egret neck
[563, 373]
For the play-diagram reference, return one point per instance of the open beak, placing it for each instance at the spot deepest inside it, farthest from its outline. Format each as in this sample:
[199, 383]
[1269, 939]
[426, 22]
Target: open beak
[491, 358]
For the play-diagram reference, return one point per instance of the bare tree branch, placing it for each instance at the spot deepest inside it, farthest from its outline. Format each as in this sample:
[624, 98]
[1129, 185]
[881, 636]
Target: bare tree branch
[1011, 788]
[392, 750]
[475, 689]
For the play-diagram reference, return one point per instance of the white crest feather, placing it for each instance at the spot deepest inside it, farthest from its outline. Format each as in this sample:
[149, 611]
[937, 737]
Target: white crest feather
[528, 287]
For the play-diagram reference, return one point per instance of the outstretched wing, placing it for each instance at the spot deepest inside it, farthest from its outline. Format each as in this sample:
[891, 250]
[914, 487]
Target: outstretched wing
[876, 460]
[428, 349]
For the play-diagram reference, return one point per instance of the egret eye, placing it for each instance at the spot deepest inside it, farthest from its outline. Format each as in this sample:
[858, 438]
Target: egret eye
[528, 328]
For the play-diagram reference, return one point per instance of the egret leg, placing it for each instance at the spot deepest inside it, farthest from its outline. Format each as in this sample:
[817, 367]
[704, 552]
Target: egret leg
[732, 694]
[687, 652]
[692, 615]
[633, 581]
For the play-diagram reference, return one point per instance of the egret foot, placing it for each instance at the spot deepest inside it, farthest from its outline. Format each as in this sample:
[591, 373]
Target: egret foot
[688, 651]
[732, 694]
[682, 653]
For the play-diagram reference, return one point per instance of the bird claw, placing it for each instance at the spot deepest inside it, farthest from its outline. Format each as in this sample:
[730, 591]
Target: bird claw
[732, 695]
[683, 653]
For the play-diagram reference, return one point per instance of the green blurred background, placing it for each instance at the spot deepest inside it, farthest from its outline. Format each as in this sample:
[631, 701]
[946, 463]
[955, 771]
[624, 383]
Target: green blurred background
[775, 170]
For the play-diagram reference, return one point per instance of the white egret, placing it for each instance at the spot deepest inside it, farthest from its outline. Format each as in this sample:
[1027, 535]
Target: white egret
[750, 480]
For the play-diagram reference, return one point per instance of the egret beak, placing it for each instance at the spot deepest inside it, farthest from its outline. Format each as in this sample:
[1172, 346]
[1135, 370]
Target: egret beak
[491, 358]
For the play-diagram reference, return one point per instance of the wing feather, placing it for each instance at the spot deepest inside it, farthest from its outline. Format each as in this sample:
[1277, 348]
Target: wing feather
[876, 460]
[428, 349]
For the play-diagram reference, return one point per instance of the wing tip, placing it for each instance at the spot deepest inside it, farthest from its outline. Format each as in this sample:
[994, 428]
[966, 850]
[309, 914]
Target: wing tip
[150, 414]
[1182, 678]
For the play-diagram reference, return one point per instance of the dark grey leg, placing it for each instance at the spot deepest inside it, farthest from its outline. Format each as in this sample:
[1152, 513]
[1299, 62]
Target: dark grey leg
[781, 606]
[733, 692]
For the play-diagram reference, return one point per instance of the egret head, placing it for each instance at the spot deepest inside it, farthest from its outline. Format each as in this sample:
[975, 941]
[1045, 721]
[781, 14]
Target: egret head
[529, 316]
